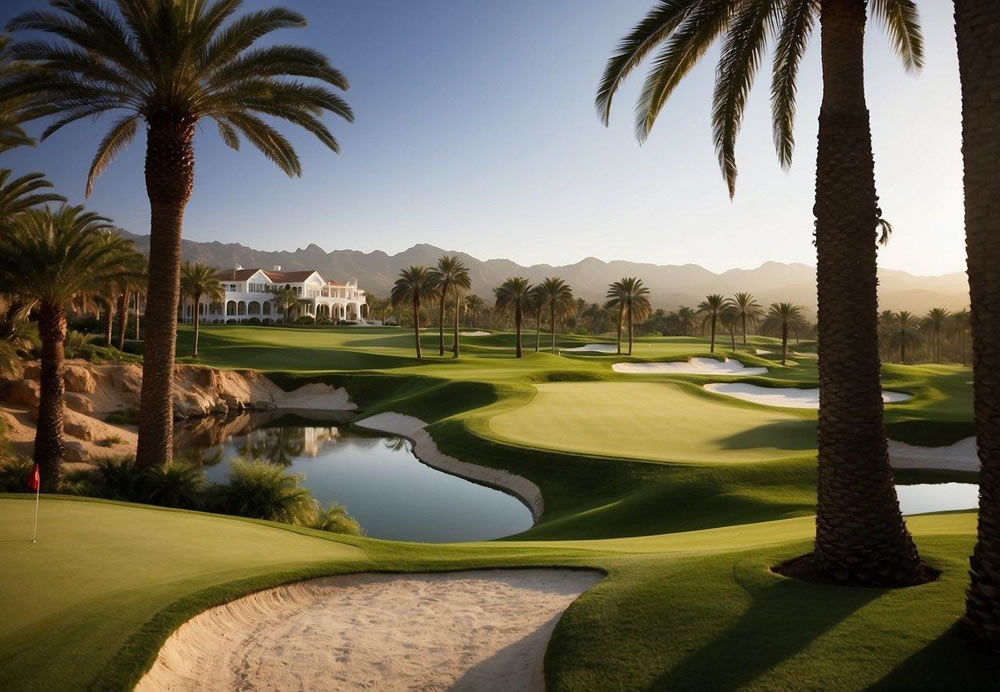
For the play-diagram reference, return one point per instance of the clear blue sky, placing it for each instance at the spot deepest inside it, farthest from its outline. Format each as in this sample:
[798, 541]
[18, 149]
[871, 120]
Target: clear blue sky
[476, 131]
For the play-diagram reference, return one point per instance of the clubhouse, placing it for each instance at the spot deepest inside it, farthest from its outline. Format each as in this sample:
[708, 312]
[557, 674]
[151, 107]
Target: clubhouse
[251, 295]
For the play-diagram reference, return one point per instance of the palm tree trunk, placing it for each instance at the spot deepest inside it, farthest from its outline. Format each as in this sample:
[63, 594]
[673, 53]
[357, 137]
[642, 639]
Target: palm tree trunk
[743, 319]
[48, 452]
[538, 327]
[122, 319]
[517, 328]
[416, 324]
[197, 322]
[169, 179]
[109, 321]
[712, 349]
[977, 29]
[860, 533]
[444, 297]
[902, 346]
[784, 342]
[552, 323]
[631, 324]
[621, 320]
[136, 319]
[454, 344]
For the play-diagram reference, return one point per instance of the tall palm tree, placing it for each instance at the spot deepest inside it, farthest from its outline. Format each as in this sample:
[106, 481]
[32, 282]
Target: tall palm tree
[936, 320]
[905, 333]
[854, 469]
[710, 309]
[515, 294]
[49, 259]
[285, 300]
[131, 278]
[785, 314]
[198, 281]
[11, 111]
[960, 322]
[685, 319]
[473, 307]
[414, 285]
[172, 64]
[748, 310]
[555, 295]
[535, 307]
[977, 33]
[615, 300]
[452, 277]
[631, 297]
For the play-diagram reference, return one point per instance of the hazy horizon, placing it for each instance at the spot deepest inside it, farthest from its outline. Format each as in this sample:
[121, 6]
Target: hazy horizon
[476, 130]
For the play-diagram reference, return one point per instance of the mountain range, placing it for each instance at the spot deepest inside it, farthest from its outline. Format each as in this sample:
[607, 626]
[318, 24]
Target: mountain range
[670, 285]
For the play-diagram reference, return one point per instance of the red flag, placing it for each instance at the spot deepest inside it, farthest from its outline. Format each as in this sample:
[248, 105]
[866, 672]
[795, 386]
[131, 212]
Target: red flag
[35, 481]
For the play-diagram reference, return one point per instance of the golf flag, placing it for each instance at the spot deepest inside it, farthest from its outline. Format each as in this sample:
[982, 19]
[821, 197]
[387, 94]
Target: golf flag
[35, 480]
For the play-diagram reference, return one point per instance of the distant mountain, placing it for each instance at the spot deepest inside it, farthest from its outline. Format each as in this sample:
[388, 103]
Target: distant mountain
[670, 285]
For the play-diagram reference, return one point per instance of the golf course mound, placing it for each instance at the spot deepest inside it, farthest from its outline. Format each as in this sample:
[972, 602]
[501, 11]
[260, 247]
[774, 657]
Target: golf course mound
[785, 397]
[694, 366]
[479, 630]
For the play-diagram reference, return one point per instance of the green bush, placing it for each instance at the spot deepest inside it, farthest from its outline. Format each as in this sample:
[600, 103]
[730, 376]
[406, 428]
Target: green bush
[259, 490]
[253, 321]
[135, 347]
[104, 354]
[176, 484]
[123, 416]
[14, 474]
[305, 319]
[335, 519]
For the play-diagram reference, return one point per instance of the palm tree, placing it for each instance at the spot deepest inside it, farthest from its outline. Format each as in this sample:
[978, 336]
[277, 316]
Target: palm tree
[473, 307]
[748, 310]
[556, 295]
[960, 322]
[452, 276]
[854, 469]
[198, 281]
[50, 258]
[615, 300]
[905, 333]
[172, 64]
[710, 309]
[515, 293]
[11, 111]
[131, 278]
[535, 307]
[785, 314]
[685, 319]
[415, 284]
[977, 33]
[285, 300]
[631, 296]
[936, 320]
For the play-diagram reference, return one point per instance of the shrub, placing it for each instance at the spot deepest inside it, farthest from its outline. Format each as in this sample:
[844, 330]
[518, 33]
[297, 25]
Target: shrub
[123, 416]
[335, 519]
[73, 342]
[175, 484]
[104, 354]
[14, 474]
[323, 320]
[259, 490]
[231, 322]
[267, 320]
[117, 479]
[254, 321]
[110, 441]
[135, 347]
[305, 319]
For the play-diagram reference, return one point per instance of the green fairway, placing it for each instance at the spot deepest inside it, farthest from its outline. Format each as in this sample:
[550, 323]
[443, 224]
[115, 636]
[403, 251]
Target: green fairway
[91, 603]
[659, 422]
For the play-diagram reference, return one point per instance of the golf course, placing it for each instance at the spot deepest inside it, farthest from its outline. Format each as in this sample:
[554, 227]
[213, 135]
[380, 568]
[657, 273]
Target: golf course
[681, 500]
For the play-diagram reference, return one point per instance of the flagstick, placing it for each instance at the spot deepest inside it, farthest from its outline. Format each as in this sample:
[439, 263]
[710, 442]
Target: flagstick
[34, 530]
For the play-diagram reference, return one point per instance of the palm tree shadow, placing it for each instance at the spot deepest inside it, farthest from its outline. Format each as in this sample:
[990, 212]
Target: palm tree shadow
[793, 435]
[784, 617]
[951, 662]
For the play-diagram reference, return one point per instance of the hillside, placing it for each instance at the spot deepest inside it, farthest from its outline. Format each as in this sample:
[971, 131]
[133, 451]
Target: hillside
[670, 285]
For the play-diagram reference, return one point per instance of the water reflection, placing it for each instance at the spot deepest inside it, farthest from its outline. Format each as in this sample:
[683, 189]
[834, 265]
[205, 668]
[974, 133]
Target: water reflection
[376, 477]
[920, 498]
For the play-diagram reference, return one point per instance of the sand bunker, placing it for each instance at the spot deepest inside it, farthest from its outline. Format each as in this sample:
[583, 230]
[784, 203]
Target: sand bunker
[960, 456]
[481, 630]
[763, 352]
[787, 397]
[478, 333]
[593, 348]
[694, 366]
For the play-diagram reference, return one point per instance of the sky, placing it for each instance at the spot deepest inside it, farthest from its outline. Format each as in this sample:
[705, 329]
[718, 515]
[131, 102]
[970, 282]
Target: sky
[475, 131]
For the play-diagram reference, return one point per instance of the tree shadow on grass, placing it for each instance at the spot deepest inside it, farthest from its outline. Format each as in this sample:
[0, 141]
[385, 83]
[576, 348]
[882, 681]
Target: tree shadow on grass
[953, 661]
[794, 435]
[784, 617]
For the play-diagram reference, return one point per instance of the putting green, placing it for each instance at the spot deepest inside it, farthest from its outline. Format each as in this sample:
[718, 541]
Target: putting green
[657, 422]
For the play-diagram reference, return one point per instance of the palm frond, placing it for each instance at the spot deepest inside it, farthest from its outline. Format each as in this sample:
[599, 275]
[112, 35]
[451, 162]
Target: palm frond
[902, 22]
[793, 37]
[115, 141]
[268, 140]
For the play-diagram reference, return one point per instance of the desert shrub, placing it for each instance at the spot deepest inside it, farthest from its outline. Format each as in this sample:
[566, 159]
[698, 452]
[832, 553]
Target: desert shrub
[135, 347]
[104, 354]
[79, 482]
[14, 474]
[259, 490]
[123, 416]
[117, 479]
[305, 319]
[110, 441]
[335, 519]
[73, 342]
[175, 484]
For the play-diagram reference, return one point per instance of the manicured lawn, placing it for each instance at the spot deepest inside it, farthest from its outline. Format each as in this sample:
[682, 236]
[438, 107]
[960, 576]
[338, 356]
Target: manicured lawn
[90, 604]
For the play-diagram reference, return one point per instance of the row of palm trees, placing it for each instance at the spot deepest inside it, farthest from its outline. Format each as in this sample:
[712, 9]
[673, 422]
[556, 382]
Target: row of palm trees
[860, 532]
[904, 332]
[444, 283]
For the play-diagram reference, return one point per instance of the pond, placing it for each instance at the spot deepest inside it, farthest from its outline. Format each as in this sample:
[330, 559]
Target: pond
[920, 498]
[391, 493]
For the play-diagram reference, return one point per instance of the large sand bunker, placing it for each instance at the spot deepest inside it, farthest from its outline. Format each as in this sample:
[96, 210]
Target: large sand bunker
[694, 366]
[593, 348]
[788, 397]
[481, 630]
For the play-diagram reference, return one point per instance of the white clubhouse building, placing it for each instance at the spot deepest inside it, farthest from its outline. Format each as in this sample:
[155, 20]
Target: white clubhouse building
[250, 294]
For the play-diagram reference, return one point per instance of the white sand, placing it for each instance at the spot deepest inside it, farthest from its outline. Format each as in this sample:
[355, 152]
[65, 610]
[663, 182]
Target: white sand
[427, 451]
[960, 456]
[481, 630]
[763, 352]
[476, 333]
[694, 366]
[787, 397]
[315, 397]
[593, 348]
